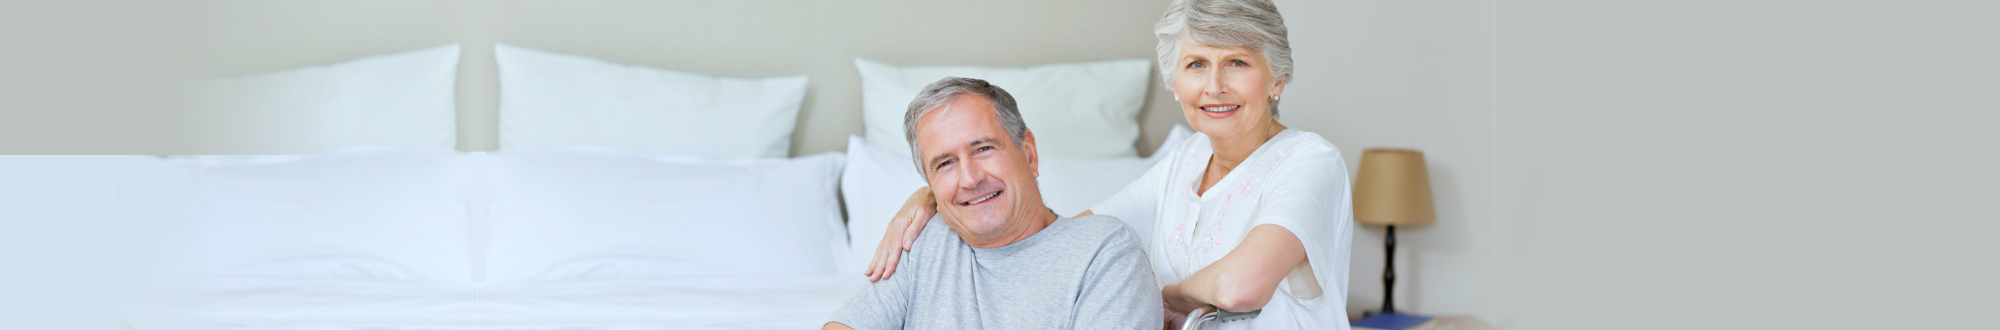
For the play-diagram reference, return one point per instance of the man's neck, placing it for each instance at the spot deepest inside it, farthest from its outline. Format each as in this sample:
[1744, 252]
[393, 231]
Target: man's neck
[1036, 220]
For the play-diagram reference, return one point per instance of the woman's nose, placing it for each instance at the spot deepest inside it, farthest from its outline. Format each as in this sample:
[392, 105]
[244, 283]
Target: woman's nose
[1214, 86]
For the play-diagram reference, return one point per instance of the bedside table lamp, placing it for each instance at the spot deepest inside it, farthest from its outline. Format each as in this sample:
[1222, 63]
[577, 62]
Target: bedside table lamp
[1393, 189]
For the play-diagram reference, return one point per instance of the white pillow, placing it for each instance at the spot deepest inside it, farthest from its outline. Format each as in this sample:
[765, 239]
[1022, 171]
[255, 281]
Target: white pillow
[873, 186]
[878, 179]
[395, 215]
[401, 100]
[549, 99]
[603, 214]
[1087, 110]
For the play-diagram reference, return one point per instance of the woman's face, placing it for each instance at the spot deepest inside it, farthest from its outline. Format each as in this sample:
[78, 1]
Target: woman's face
[1224, 92]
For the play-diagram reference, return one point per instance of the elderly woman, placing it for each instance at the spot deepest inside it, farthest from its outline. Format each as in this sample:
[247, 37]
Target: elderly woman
[1246, 214]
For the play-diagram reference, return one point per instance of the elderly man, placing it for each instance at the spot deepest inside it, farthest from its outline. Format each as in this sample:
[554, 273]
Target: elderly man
[1013, 263]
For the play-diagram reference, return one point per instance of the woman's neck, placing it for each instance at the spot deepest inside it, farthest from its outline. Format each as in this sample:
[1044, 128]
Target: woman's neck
[1230, 151]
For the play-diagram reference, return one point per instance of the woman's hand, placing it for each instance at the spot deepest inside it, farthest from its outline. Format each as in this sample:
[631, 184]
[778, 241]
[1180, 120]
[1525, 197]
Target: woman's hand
[903, 230]
[1178, 302]
[1174, 320]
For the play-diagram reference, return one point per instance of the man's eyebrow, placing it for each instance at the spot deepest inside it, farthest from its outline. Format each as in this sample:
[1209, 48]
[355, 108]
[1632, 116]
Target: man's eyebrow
[984, 140]
[940, 157]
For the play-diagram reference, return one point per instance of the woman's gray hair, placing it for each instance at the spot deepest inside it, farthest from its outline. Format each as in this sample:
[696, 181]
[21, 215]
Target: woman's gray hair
[1252, 24]
[937, 93]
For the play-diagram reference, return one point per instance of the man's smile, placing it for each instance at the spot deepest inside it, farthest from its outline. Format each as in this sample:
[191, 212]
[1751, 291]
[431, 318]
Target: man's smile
[982, 199]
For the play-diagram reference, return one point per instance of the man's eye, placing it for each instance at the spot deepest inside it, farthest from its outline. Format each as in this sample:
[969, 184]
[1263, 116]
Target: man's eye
[942, 164]
[985, 148]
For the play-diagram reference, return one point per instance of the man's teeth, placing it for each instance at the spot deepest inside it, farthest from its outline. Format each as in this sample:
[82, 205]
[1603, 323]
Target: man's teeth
[982, 199]
[1221, 108]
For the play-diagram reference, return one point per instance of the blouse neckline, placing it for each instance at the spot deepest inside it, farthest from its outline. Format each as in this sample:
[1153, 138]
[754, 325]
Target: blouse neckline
[1232, 176]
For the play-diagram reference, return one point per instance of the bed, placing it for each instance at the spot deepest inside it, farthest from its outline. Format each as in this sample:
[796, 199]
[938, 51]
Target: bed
[622, 197]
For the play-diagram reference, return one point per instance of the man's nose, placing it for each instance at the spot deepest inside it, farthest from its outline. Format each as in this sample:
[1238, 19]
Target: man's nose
[968, 174]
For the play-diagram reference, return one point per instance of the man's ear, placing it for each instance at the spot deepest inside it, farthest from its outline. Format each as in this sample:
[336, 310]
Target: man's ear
[1028, 148]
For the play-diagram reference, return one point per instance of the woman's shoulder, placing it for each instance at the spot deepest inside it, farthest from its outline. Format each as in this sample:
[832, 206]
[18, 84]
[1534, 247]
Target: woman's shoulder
[1183, 151]
[1301, 147]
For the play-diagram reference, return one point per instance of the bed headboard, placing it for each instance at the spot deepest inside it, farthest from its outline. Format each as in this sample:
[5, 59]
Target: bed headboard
[819, 39]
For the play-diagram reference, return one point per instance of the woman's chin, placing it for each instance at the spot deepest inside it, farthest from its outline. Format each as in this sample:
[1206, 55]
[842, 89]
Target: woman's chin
[1217, 127]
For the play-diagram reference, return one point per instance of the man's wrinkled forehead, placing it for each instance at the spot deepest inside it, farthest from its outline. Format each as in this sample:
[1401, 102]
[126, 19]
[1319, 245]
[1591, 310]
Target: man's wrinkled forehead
[940, 149]
[952, 106]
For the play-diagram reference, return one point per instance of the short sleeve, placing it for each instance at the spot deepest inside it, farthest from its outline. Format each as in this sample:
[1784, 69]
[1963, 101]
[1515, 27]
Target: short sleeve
[885, 304]
[1136, 203]
[1309, 197]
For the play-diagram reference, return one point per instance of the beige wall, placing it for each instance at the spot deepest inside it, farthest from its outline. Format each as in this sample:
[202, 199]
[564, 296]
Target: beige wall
[1370, 73]
[1410, 74]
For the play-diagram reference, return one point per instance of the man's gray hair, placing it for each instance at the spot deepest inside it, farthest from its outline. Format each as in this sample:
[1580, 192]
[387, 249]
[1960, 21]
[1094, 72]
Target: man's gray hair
[937, 93]
[1252, 24]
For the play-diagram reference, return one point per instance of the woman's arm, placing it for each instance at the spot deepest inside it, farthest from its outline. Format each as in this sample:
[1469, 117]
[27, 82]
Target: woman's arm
[1244, 279]
[903, 230]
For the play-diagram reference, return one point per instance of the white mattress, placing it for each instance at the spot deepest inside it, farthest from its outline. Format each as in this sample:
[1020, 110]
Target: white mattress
[772, 302]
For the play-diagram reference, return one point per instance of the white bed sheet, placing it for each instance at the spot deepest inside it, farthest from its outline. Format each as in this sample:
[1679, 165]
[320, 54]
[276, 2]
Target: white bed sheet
[213, 302]
[736, 302]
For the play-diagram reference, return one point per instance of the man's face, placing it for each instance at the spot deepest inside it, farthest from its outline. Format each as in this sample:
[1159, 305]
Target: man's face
[984, 183]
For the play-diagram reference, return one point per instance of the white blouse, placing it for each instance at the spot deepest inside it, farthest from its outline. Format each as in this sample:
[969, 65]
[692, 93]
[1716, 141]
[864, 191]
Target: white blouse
[1297, 181]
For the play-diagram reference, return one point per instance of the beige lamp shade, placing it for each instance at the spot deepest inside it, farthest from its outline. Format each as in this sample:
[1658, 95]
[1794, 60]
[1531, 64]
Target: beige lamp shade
[1393, 189]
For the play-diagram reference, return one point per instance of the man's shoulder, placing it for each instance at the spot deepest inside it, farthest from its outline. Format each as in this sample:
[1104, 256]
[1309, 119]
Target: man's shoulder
[938, 233]
[1107, 229]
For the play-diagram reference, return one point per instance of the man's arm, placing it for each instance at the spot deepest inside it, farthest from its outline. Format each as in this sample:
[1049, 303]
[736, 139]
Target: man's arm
[881, 305]
[1119, 291]
[885, 304]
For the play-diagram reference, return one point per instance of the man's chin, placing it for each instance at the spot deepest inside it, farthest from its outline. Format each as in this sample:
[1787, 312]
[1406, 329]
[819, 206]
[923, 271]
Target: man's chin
[980, 223]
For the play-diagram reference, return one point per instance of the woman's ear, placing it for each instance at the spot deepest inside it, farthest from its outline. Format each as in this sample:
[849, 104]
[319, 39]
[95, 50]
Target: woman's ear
[1278, 88]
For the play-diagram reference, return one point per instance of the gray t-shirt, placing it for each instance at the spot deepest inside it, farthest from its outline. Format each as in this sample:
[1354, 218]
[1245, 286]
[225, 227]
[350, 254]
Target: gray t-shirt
[1082, 273]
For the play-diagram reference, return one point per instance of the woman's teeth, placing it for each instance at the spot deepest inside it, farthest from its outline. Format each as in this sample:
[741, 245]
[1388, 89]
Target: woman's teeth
[1221, 108]
[981, 199]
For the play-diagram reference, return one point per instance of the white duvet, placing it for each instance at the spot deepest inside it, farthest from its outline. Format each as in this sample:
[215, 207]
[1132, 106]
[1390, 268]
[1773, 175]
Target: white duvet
[735, 302]
[573, 238]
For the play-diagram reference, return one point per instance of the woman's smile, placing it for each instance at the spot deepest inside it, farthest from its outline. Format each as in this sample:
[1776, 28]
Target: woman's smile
[1220, 110]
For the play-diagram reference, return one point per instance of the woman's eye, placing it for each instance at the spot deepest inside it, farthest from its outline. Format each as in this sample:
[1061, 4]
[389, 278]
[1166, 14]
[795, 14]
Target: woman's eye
[1238, 63]
[1196, 65]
